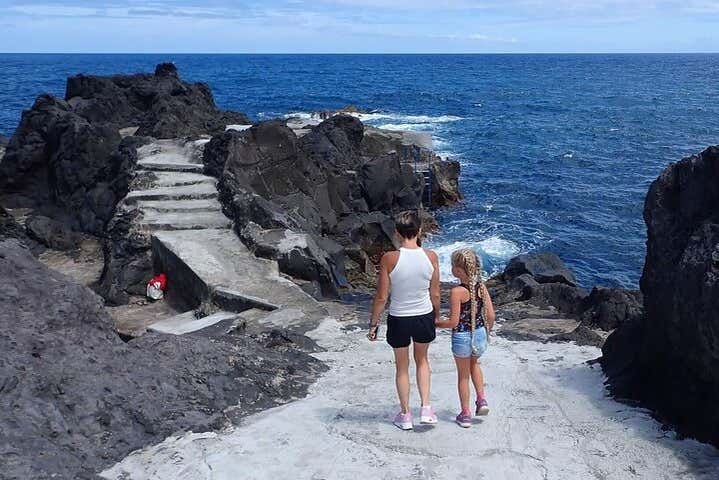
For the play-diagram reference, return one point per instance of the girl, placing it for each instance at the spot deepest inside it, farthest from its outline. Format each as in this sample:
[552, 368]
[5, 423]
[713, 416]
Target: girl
[471, 318]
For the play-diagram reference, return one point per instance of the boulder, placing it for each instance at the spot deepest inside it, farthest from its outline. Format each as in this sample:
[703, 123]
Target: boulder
[51, 233]
[445, 183]
[300, 255]
[389, 185]
[543, 267]
[608, 308]
[582, 335]
[10, 229]
[565, 298]
[160, 104]
[669, 359]
[73, 390]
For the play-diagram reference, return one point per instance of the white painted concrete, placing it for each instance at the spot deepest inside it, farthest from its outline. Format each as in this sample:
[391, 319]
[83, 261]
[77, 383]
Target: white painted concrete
[550, 419]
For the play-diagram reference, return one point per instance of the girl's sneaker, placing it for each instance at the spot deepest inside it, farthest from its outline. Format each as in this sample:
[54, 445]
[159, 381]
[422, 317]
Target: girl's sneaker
[464, 420]
[427, 416]
[403, 421]
[482, 408]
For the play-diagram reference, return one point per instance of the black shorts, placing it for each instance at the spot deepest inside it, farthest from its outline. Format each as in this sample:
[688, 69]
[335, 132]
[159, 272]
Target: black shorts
[419, 328]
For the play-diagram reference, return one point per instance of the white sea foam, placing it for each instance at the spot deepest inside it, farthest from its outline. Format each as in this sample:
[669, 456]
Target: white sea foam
[412, 127]
[387, 117]
[494, 248]
[369, 117]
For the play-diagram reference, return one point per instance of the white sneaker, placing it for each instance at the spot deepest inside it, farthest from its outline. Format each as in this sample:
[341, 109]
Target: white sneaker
[427, 416]
[403, 421]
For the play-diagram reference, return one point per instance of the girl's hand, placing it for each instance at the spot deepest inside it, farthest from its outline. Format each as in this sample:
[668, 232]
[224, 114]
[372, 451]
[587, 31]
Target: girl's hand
[372, 334]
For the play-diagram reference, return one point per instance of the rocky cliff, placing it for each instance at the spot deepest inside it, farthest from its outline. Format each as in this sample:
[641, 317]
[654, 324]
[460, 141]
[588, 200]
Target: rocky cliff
[66, 158]
[74, 397]
[322, 203]
[669, 359]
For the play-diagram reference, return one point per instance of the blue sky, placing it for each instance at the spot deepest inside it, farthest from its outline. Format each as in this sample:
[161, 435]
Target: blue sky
[360, 26]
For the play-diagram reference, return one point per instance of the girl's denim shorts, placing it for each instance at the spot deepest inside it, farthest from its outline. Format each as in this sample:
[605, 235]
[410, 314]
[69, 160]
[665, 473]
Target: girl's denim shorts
[462, 343]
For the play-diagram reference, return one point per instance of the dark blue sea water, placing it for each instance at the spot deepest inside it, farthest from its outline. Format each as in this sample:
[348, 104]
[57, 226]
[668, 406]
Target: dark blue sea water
[557, 150]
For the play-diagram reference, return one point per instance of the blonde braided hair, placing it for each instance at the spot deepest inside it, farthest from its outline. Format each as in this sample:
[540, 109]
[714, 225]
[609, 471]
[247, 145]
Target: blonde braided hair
[468, 260]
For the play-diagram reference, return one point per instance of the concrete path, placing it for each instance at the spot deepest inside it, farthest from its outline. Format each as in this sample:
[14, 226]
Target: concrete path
[550, 419]
[194, 244]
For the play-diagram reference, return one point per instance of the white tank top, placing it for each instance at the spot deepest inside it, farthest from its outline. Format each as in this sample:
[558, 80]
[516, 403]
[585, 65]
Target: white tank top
[409, 284]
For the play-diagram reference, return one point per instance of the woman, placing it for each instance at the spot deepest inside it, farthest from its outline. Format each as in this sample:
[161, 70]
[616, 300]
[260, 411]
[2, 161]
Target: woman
[410, 278]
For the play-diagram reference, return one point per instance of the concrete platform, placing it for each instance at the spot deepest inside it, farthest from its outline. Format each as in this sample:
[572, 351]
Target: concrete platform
[184, 192]
[208, 204]
[171, 167]
[194, 220]
[214, 265]
[176, 179]
[187, 322]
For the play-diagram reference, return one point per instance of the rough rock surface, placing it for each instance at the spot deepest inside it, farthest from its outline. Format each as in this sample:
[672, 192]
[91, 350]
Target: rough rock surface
[445, 186]
[74, 398]
[609, 308]
[537, 299]
[52, 233]
[544, 267]
[669, 359]
[322, 188]
[66, 159]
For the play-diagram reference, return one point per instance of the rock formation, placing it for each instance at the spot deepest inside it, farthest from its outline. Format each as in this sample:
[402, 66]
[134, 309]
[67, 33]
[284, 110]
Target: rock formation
[669, 359]
[306, 201]
[66, 158]
[538, 298]
[75, 398]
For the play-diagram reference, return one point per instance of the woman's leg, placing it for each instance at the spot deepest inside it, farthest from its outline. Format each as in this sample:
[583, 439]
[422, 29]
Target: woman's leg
[477, 378]
[423, 372]
[463, 374]
[401, 362]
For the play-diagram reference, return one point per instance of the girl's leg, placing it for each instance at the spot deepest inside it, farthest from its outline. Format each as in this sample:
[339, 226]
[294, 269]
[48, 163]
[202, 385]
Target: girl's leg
[423, 372]
[477, 378]
[401, 362]
[463, 374]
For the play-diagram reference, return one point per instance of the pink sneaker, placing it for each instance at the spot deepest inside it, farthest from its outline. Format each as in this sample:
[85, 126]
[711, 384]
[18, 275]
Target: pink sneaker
[482, 408]
[427, 415]
[464, 420]
[403, 421]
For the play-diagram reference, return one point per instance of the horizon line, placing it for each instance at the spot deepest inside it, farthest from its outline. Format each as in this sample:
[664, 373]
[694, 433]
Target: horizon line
[371, 53]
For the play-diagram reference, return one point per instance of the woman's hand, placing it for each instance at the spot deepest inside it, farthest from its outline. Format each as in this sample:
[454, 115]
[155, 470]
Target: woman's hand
[372, 334]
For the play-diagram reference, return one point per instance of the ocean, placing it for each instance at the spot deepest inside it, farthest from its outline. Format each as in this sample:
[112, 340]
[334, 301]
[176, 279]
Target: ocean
[557, 151]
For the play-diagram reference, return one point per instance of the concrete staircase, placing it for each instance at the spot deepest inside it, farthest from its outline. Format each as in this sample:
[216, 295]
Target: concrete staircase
[194, 244]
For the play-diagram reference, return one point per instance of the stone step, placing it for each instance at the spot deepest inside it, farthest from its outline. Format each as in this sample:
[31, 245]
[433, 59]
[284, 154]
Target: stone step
[155, 220]
[187, 322]
[204, 205]
[215, 265]
[185, 192]
[177, 179]
[171, 167]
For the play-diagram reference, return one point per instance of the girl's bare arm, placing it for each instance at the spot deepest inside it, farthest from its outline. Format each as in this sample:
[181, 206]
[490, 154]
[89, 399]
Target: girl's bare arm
[455, 306]
[491, 316]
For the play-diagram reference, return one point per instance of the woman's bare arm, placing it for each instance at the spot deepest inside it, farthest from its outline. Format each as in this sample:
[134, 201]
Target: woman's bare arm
[434, 290]
[382, 295]
[455, 306]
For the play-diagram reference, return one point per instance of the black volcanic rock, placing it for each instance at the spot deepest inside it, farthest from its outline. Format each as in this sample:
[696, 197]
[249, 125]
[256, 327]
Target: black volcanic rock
[445, 185]
[161, 105]
[75, 398]
[608, 308]
[543, 267]
[669, 360]
[66, 159]
[320, 185]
